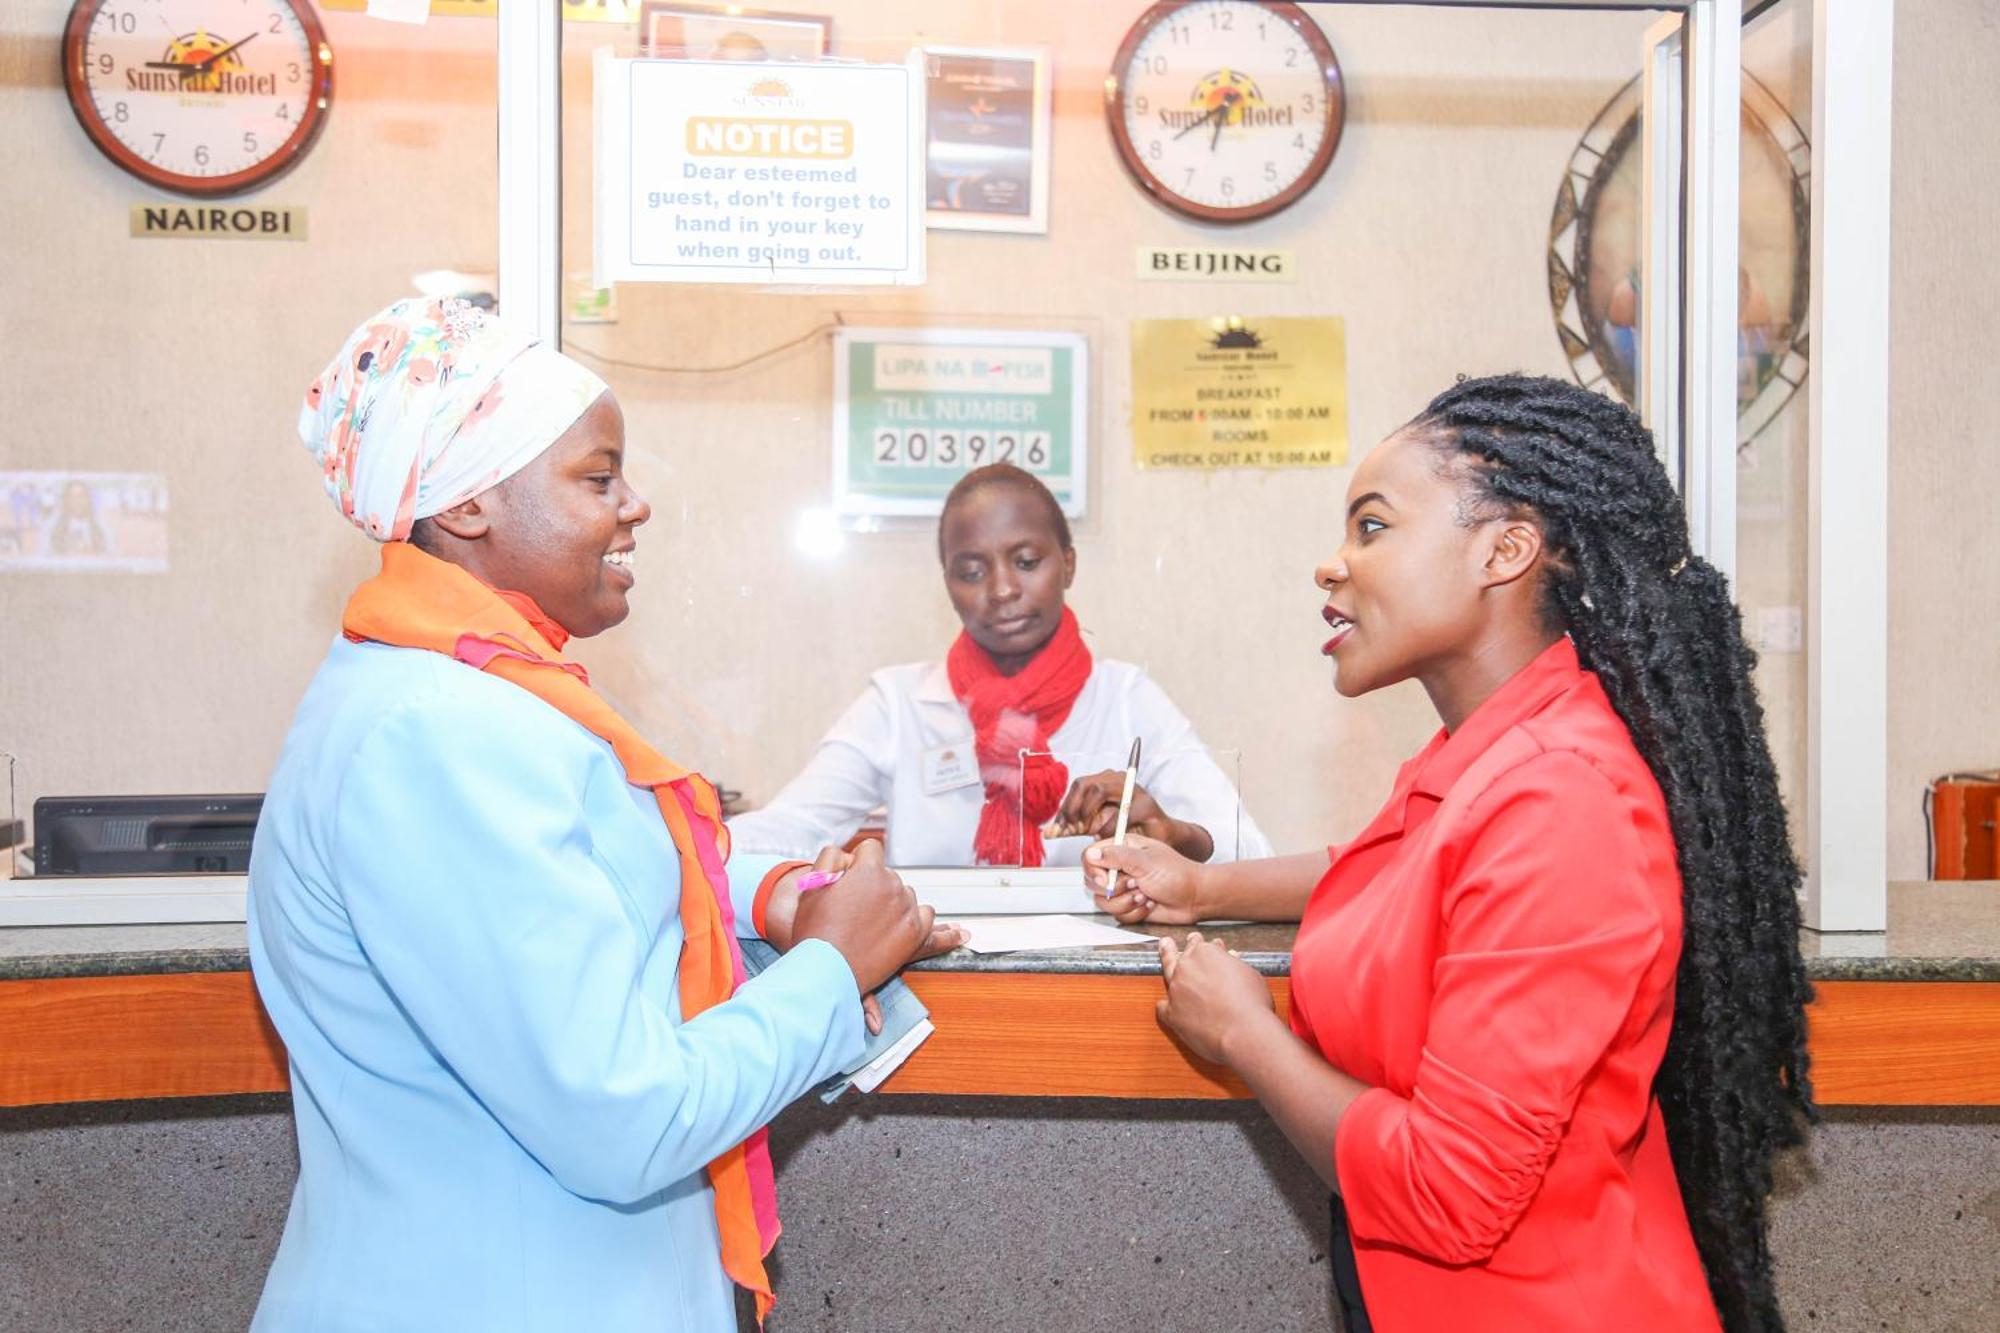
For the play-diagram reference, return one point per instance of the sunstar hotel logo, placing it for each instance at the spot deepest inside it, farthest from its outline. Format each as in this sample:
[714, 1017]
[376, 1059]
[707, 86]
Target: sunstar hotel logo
[1232, 332]
[201, 65]
[1223, 98]
[768, 93]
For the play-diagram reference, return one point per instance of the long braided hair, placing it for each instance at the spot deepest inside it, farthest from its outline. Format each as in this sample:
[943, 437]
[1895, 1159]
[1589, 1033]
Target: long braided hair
[1656, 623]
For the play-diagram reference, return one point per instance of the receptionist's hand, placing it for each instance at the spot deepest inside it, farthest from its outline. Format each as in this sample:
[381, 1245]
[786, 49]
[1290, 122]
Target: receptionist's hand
[1155, 883]
[1212, 996]
[1091, 808]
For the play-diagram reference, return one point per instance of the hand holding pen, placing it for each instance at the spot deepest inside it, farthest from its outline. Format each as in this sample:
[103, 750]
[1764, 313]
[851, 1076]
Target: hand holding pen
[1124, 812]
[1156, 884]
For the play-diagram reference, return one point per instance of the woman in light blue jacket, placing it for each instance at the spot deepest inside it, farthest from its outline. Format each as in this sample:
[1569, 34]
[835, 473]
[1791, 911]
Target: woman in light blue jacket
[493, 927]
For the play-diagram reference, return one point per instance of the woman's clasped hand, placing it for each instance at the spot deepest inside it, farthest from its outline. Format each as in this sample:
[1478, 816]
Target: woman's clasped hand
[868, 914]
[1212, 996]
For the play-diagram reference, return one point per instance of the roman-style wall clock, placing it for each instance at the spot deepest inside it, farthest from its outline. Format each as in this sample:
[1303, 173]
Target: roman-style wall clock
[201, 97]
[1225, 110]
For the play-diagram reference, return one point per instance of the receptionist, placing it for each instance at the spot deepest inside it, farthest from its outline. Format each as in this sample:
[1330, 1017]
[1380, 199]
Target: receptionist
[972, 755]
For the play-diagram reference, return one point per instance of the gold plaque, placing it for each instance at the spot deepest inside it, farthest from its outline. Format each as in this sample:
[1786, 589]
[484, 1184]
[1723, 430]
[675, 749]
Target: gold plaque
[213, 221]
[1239, 392]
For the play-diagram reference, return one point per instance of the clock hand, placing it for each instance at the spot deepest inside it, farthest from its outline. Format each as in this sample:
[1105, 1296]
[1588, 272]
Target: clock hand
[1206, 117]
[210, 60]
[1228, 105]
[187, 67]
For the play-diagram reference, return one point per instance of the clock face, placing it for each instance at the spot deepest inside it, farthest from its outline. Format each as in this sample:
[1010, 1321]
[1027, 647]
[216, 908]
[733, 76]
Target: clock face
[203, 97]
[1225, 110]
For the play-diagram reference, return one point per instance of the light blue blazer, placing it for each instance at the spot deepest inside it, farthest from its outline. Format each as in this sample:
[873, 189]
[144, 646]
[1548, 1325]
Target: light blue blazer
[465, 925]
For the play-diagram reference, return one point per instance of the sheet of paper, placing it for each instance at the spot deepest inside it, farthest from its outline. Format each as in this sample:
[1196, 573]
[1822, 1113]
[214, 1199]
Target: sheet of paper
[869, 1077]
[1005, 934]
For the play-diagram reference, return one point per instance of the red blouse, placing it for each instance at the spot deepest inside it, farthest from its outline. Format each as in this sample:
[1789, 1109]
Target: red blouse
[1495, 956]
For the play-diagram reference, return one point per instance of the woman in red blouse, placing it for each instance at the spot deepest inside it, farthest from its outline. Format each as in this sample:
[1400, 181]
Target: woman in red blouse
[1547, 1024]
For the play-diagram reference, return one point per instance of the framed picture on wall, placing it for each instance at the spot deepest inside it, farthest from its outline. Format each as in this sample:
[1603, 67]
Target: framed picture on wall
[716, 32]
[986, 153]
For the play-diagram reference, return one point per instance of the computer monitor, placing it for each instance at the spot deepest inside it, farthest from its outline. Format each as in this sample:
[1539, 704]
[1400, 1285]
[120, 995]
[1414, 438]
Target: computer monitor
[145, 835]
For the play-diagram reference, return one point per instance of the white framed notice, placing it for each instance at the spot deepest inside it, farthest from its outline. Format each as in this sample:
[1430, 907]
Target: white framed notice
[759, 172]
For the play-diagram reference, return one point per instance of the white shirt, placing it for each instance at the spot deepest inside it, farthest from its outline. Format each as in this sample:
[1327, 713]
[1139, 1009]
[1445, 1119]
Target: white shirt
[890, 749]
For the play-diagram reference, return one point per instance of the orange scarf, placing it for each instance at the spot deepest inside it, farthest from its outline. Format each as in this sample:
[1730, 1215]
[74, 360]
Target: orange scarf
[419, 601]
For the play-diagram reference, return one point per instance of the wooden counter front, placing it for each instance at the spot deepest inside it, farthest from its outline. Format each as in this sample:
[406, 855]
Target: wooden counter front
[101, 1039]
[80, 1039]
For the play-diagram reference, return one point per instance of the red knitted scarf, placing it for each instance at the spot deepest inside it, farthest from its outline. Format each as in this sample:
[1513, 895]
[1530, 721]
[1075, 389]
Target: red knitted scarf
[1013, 718]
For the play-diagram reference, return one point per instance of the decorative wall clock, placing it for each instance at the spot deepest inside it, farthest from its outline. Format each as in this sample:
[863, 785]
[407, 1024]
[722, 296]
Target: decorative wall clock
[201, 97]
[1225, 110]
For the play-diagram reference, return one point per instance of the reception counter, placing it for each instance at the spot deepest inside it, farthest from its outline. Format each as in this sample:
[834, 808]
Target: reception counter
[101, 1013]
[1050, 1159]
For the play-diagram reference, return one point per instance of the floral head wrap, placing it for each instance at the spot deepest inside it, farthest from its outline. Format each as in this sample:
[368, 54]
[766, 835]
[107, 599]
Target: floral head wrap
[430, 403]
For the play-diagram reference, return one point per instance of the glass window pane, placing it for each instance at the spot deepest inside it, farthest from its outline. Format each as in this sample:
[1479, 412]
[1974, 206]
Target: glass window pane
[1773, 345]
[181, 358]
[1430, 238]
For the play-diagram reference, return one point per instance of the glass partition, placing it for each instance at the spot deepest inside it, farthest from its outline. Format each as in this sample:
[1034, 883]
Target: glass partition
[1405, 240]
[1775, 355]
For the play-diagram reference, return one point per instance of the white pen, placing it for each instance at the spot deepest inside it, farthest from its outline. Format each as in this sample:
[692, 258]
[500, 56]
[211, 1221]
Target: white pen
[1124, 813]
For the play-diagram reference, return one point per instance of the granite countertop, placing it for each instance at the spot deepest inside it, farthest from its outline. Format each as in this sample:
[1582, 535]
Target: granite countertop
[111, 951]
[1937, 932]
[1942, 930]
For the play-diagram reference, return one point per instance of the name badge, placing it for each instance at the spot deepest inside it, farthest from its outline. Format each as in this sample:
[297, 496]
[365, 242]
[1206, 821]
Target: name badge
[950, 766]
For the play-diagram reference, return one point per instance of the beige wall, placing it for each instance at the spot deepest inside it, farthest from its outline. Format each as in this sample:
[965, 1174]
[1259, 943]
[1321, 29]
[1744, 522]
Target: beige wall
[1427, 235]
[1944, 405]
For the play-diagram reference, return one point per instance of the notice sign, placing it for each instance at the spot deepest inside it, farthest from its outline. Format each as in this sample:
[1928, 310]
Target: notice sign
[916, 409]
[765, 172]
[1237, 392]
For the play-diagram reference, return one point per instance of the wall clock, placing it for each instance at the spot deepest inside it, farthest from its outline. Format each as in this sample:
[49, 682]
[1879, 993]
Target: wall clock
[201, 97]
[1225, 110]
